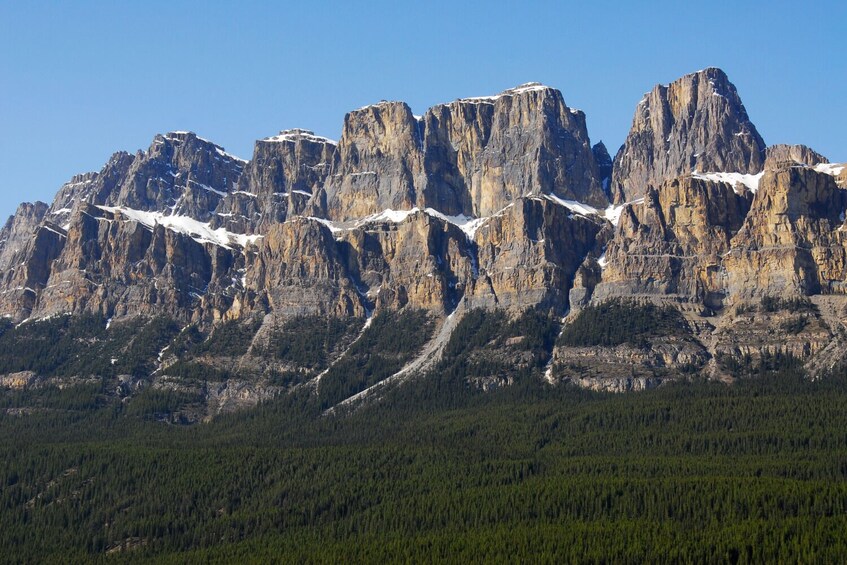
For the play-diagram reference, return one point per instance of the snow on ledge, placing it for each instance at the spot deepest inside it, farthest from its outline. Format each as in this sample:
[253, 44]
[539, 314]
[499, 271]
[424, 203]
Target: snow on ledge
[748, 180]
[612, 213]
[198, 231]
[470, 225]
[833, 169]
[524, 88]
[299, 135]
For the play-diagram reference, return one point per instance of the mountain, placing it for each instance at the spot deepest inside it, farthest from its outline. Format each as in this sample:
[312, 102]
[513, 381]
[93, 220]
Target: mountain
[487, 237]
[696, 123]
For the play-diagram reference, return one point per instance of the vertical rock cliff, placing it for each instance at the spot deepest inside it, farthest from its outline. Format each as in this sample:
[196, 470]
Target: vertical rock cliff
[696, 123]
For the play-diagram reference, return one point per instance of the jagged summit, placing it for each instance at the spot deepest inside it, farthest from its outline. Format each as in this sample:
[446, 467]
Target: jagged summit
[696, 123]
[191, 137]
[297, 134]
[517, 90]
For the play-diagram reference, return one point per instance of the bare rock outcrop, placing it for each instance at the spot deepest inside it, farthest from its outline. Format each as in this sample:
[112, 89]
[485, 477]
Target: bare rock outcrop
[673, 242]
[696, 123]
[776, 155]
[277, 183]
[792, 239]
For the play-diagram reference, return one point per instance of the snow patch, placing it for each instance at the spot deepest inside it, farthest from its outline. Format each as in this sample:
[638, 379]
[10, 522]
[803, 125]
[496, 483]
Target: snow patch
[395, 216]
[299, 135]
[198, 231]
[748, 180]
[464, 223]
[574, 206]
[333, 227]
[833, 169]
[528, 87]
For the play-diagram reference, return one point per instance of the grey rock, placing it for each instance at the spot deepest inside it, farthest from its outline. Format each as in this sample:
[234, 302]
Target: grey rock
[695, 123]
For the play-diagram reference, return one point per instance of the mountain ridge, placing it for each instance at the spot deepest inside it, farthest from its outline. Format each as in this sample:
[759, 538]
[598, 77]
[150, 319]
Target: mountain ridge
[494, 203]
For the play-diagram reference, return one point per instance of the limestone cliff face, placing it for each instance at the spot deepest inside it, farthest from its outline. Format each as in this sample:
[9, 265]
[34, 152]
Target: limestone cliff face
[29, 271]
[298, 270]
[180, 173]
[775, 155]
[604, 167]
[469, 205]
[529, 254]
[792, 239]
[18, 230]
[378, 158]
[116, 266]
[472, 156]
[673, 242]
[421, 261]
[285, 172]
[520, 142]
[91, 187]
[695, 123]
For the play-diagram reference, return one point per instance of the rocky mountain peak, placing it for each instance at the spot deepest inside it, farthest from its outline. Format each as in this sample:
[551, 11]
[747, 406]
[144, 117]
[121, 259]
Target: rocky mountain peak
[286, 170]
[696, 123]
[797, 154]
[296, 135]
[604, 166]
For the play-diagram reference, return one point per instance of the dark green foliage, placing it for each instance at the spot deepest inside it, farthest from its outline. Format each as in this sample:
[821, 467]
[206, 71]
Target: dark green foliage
[195, 372]
[230, 339]
[392, 340]
[81, 346]
[309, 341]
[161, 404]
[489, 345]
[188, 339]
[143, 342]
[437, 471]
[619, 321]
[693, 472]
[207, 357]
[765, 365]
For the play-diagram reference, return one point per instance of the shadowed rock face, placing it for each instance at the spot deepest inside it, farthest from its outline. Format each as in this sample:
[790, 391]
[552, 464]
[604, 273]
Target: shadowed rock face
[529, 253]
[179, 174]
[18, 230]
[285, 172]
[377, 159]
[523, 141]
[696, 123]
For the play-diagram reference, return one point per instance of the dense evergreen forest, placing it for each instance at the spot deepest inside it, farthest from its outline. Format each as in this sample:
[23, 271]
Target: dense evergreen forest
[688, 472]
[452, 466]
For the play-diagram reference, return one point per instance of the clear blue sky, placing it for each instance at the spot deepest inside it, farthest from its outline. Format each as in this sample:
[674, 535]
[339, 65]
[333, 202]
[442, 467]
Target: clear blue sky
[80, 80]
